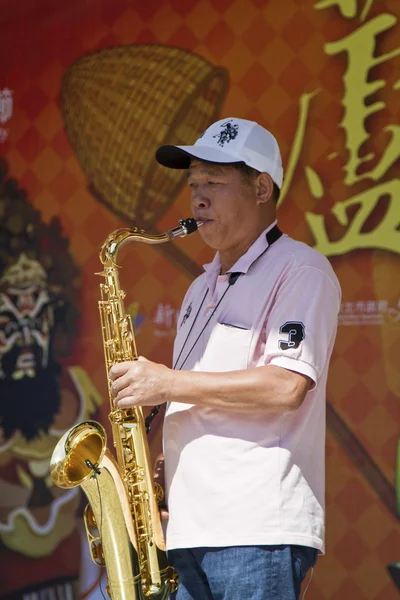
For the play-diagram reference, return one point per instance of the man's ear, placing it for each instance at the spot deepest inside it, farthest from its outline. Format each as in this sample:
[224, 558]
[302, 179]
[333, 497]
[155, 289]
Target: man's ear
[264, 188]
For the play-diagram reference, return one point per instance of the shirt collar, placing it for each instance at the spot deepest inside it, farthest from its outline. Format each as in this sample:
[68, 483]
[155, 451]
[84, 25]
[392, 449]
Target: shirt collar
[243, 264]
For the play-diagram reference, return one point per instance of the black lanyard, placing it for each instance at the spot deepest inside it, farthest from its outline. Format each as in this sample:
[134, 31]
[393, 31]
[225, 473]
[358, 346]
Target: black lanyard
[272, 236]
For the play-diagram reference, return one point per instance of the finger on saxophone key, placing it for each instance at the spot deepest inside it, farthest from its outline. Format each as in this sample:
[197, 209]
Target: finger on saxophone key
[119, 369]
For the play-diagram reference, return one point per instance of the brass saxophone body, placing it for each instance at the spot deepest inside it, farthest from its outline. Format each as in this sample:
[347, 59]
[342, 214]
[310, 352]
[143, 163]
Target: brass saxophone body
[122, 519]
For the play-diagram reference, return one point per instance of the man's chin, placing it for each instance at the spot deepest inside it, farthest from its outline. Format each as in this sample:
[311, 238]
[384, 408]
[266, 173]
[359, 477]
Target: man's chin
[209, 234]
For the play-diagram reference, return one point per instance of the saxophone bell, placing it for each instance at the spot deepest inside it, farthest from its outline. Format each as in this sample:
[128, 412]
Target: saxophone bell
[77, 454]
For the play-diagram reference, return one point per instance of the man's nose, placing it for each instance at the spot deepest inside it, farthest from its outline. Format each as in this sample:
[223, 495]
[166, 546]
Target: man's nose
[199, 199]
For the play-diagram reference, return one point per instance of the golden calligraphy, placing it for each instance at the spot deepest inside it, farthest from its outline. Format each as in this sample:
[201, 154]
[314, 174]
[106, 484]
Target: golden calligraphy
[360, 48]
[385, 236]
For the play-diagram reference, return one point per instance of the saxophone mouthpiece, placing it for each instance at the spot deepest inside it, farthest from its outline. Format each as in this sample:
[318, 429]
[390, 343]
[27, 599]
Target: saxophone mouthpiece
[186, 227]
[190, 225]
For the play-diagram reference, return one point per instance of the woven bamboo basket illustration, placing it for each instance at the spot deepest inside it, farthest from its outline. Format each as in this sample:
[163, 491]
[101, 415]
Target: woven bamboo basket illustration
[120, 104]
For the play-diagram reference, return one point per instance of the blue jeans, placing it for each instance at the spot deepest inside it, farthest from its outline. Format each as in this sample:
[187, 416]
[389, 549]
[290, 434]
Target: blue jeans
[241, 572]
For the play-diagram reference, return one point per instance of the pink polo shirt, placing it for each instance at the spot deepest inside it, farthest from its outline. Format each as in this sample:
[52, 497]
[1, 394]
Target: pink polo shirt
[234, 479]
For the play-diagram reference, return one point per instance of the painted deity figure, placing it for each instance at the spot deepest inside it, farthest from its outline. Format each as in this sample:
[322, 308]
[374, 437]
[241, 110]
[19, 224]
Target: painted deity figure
[40, 399]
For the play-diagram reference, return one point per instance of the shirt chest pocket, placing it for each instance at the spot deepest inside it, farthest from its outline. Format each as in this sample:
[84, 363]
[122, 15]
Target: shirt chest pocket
[227, 349]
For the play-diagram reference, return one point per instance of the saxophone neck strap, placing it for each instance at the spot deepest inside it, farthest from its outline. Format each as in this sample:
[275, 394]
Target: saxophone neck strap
[272, 236]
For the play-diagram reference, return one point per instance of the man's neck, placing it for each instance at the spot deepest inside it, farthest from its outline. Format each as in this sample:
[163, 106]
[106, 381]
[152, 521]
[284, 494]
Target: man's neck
[229, 257]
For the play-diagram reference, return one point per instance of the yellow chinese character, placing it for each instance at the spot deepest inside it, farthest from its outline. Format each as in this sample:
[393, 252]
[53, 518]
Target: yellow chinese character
[304, 104]
[348, 8]
[360, 47]
[386, 235]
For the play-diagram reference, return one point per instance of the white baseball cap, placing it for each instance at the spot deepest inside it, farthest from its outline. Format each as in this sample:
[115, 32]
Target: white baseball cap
[229, 141]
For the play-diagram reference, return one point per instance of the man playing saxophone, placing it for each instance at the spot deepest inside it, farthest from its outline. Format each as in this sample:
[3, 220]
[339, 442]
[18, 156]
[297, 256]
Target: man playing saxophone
[244, 430]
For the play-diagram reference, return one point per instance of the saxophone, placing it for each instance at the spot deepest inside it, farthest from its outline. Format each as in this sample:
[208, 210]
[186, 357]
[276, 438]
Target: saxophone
[122, 519]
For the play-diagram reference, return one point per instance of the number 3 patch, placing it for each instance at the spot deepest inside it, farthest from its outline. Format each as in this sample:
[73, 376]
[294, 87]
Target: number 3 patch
[295, 332]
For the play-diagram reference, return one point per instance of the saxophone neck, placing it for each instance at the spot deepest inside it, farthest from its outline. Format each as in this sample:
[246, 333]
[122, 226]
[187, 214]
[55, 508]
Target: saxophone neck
[119, 237]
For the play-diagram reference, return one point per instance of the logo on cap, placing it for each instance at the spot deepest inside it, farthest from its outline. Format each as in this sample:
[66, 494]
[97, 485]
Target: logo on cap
[228, 133]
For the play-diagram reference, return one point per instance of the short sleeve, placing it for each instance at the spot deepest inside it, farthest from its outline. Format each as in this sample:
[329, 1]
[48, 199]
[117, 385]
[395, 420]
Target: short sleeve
[301, 326]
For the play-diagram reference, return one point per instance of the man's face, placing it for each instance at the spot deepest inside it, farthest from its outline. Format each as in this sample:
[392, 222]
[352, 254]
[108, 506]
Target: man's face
[226, 203]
